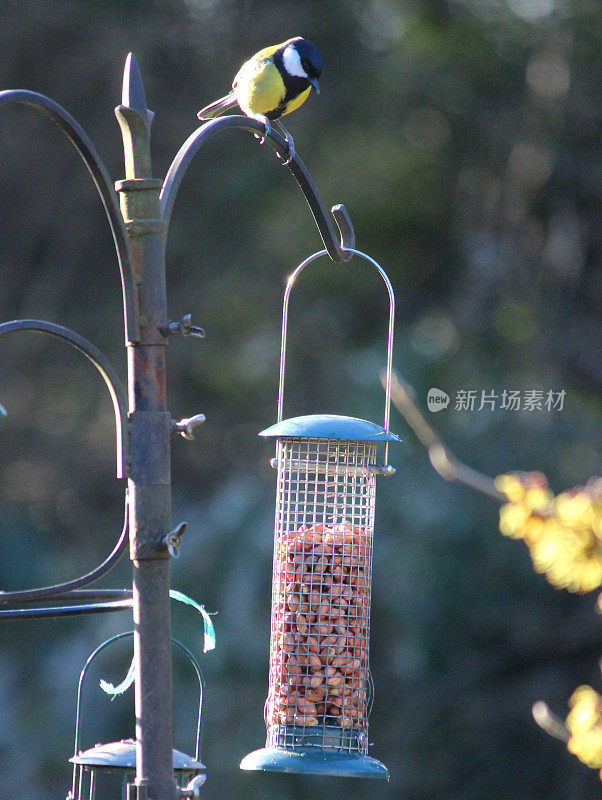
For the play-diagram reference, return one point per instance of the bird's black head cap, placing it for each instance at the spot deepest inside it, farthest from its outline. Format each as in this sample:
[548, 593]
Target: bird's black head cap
[311, 60]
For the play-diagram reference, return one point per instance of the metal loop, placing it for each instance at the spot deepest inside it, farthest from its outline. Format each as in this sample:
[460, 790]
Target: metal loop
[287, 293]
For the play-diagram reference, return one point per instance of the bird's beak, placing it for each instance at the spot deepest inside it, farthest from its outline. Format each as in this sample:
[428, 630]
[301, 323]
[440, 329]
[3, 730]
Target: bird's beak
[314, 83]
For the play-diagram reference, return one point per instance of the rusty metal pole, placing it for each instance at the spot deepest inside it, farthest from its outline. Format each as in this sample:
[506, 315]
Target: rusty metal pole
[149, 485]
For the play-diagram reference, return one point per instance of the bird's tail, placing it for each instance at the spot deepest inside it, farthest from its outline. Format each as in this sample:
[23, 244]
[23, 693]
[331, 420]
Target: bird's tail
[217, 107]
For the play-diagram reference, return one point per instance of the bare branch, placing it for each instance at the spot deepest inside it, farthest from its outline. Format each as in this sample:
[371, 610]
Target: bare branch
[442, 459]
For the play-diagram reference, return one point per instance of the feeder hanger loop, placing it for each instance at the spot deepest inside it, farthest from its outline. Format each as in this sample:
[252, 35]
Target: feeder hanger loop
[289, 287]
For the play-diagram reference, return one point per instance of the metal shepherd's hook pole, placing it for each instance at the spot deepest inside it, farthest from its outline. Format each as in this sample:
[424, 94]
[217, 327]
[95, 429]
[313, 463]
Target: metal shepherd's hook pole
[149, 430]
[139, 222]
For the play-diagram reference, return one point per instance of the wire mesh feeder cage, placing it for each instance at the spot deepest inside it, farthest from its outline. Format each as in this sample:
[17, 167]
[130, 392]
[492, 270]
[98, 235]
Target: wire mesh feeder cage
[320, 686]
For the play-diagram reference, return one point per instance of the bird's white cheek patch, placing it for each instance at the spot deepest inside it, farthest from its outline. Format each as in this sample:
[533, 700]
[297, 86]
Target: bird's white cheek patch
[292, 62]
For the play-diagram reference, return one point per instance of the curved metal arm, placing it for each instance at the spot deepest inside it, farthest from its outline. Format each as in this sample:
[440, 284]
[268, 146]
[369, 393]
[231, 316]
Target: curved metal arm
[103, 183]
[102, 365]
[337, 252]
[67, 589]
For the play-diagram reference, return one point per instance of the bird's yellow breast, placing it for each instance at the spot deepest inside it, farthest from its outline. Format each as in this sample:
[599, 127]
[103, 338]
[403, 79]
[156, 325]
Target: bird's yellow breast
[298, 101]
[259, 88]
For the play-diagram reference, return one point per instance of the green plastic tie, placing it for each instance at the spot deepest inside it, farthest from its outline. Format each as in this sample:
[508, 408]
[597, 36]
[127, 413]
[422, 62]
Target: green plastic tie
[208, 644]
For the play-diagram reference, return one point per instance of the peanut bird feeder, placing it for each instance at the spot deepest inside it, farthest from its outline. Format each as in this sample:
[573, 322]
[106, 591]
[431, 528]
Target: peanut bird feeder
[320, 687]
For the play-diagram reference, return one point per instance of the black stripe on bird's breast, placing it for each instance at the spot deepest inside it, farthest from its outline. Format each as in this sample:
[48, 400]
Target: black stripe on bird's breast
[293, 84]
[277, 112]
[294, 87]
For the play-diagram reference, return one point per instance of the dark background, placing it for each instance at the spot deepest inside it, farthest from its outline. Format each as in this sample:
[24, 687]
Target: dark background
[463, 139]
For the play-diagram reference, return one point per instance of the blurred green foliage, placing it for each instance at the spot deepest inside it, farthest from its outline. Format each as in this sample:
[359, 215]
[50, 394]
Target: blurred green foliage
[463, 137]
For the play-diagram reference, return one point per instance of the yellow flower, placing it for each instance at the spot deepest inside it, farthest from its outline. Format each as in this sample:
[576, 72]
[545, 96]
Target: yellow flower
[564, 535]
[513, 518]
[511, 486]
[584, 723]
[575, 510]
[538, 498]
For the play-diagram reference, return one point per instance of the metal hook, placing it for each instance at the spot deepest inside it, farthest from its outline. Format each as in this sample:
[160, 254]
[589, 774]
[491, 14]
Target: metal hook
[104, 185]
[343, 221]
[103, 366]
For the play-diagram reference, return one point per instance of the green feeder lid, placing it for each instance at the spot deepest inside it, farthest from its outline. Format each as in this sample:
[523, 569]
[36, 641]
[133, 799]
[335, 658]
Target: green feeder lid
[330, 426]
[122, 755]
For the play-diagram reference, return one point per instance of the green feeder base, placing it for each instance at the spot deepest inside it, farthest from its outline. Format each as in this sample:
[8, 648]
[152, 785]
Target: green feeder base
[309, 757]
[311, 761]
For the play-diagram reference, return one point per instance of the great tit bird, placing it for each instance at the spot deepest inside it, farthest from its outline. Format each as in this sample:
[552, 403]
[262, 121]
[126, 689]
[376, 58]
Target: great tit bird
[272, 83]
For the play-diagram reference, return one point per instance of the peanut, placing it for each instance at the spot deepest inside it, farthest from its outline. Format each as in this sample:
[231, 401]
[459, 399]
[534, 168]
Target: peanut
[308, 539]
[305, 706]
[335, 680]
[305, 720]
[323, 610]
[329, 642]
[321, 565]
[301, 624]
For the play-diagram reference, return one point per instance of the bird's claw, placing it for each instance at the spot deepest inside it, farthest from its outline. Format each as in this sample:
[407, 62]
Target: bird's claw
[290, 153]
[288, 140]
[268, 128]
